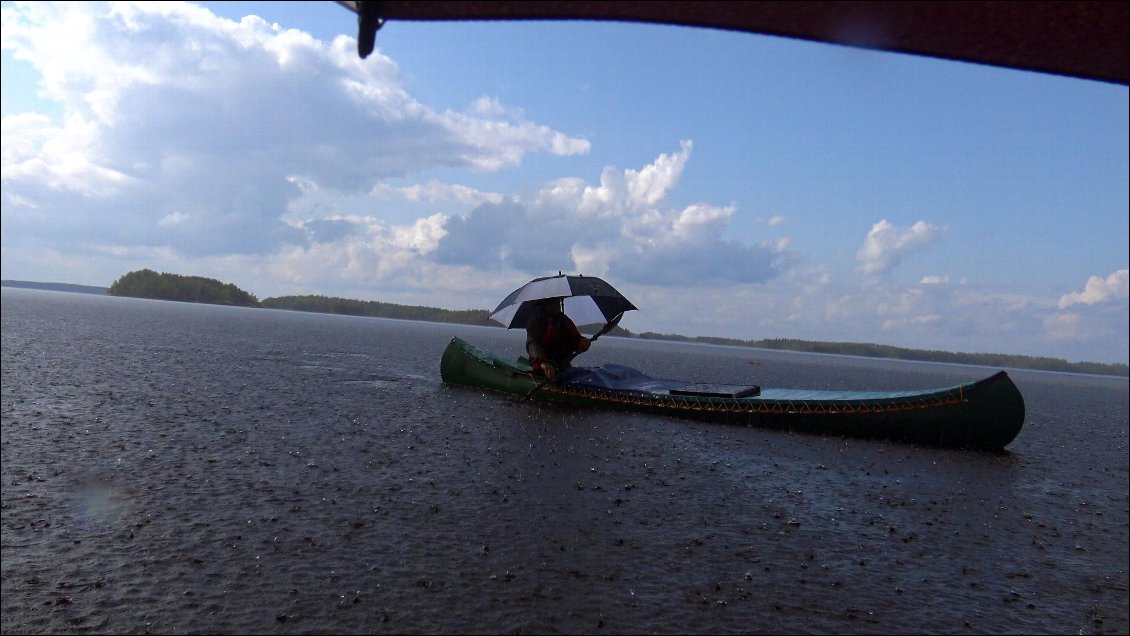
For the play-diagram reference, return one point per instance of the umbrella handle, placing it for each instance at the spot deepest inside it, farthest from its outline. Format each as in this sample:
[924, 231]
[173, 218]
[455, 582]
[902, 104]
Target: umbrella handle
[608, 327]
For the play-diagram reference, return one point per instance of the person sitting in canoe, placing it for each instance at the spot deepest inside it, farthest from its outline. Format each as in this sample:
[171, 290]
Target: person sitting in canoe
[552, 340]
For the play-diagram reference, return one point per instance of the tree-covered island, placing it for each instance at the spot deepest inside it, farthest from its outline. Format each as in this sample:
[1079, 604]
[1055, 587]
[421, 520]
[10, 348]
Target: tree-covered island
[146, 283]
[149, 284]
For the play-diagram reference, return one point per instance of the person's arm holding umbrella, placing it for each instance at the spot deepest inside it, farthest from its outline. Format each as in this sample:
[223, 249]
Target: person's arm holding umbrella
[578, 344]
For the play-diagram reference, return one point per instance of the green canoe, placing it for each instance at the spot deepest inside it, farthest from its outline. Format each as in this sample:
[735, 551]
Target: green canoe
[986, 414]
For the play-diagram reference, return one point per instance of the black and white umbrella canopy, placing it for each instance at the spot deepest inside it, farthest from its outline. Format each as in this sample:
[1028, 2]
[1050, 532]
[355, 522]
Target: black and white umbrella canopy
[587, 300]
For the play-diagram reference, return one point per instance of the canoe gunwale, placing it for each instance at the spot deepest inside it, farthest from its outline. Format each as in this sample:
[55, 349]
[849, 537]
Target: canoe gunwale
[759, 405]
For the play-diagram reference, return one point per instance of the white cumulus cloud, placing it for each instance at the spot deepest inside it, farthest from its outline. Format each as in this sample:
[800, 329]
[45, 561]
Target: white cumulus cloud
[1099, 289]
[886, 244]
[190, 132]
[621, 225]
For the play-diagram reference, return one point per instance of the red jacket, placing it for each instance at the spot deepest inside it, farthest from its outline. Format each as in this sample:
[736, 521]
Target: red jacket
[552, 338]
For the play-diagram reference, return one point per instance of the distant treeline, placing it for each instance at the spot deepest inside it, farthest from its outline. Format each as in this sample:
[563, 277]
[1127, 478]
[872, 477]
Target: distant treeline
[147, 283]
[898, 353]
[372, 308]
[63, 287]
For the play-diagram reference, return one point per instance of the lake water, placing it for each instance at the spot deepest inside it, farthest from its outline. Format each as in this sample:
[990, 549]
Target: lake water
[176, 468]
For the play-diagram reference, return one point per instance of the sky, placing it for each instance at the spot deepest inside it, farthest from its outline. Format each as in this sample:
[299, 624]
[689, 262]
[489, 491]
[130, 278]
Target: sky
[729, 184]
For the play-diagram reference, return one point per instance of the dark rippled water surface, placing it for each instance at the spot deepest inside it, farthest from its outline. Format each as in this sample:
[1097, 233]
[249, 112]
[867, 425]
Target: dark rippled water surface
[174, 468]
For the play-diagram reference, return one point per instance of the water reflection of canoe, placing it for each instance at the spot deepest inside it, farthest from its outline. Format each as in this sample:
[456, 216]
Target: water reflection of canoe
[986, 414]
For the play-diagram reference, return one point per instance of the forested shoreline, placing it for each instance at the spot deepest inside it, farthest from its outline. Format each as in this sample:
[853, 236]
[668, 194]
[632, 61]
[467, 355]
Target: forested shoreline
[375, 309]
[149, 284]
[868, 350]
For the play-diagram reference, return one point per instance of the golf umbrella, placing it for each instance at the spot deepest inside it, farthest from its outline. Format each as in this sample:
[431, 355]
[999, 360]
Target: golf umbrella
[587, 301]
